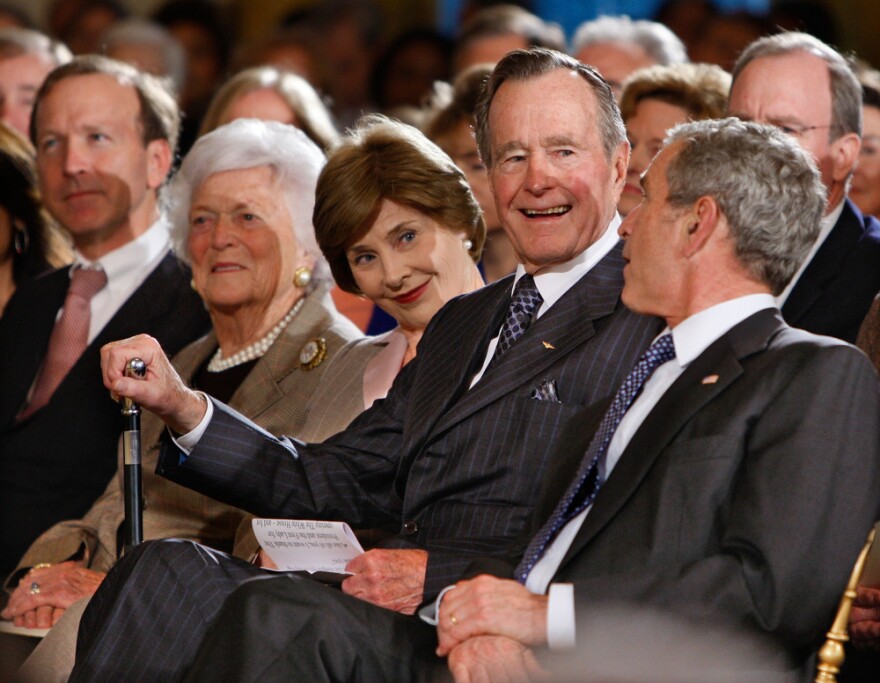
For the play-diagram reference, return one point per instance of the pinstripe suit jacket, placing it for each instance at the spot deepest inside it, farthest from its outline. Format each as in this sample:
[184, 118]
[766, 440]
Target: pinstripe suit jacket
[277, 394]
[448, 469]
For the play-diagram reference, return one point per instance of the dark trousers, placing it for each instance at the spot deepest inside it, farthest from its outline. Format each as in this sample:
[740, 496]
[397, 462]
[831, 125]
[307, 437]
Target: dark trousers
[152, 613]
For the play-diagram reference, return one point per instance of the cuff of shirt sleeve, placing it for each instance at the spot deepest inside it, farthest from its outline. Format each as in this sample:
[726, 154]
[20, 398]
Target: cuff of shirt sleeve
[560, 616]
[430, 612]
[186, 442]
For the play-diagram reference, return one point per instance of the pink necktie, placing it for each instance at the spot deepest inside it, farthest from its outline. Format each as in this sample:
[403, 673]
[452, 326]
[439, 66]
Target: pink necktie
[69, 337]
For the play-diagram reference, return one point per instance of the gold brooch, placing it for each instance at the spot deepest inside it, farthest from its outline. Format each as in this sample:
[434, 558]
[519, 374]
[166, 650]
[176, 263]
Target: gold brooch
[313, 353]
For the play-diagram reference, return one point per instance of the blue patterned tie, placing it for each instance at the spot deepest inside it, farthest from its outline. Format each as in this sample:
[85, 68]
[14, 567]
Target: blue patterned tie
[524, 303]
[583, 490]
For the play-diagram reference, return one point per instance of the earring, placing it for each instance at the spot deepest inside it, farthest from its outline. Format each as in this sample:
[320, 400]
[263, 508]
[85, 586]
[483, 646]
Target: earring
[467, 244]
[302, 276]
[20, 238]
[192, 285]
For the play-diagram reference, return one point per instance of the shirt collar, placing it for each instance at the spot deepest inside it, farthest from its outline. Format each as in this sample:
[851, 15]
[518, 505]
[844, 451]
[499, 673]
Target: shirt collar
[695, 334]
[129, 257]
[554, 281]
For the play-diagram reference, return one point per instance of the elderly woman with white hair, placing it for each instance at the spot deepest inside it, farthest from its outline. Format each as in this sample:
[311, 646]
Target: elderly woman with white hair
[241, 207]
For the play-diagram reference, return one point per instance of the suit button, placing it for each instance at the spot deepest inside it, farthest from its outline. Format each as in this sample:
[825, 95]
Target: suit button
[410, 527]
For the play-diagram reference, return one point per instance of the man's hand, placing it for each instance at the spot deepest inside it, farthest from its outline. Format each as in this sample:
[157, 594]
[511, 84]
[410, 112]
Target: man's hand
[161, 391]
[394, 579]
[494, 659]
[864, 619]
[487, 605]
[60, 586]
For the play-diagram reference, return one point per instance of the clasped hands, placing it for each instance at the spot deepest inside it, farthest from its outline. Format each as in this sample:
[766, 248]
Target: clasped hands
[58, 587]
[487, 626]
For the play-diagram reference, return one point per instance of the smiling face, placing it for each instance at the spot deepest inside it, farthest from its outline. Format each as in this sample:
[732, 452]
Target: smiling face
[241, 241]
[555, 190]
[646, 129]
[410, 265]
[865, 190]
[655, 239]
[96, 176]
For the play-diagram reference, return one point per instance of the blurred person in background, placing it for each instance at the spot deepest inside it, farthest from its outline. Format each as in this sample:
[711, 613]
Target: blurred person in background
[865, 187]
[658, 98]
[407, 69]
[450, 123]
[617, 46]
[88, 22]
[148, 47]
[26, 58]
[491, 33]
[30, 243]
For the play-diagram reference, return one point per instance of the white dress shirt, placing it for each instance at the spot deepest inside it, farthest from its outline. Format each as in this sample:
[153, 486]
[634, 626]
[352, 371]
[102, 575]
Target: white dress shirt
[692, 336]
[126, 267]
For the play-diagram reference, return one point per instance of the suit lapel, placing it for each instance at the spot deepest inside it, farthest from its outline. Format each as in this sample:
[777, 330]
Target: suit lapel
[559, 332]
[825, 265]
[687, 396]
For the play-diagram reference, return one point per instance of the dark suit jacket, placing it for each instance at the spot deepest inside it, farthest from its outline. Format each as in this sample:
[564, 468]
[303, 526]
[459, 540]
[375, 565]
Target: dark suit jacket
[836, 289]
[57, 462]
[747, 499]
[448, 469]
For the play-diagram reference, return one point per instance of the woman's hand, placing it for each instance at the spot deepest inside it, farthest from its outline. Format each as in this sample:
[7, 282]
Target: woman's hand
[57, 588]
[160, 391]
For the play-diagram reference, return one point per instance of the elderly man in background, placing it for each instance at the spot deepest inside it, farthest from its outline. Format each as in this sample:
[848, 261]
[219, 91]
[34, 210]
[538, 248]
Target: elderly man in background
[618, 46]
[26, 58]
[105, 136]
[804, 87]
[437, 459]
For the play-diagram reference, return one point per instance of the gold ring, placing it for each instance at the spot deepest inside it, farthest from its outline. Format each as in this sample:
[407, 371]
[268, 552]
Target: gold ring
[35, 588]
[41, 565]
[453, 619]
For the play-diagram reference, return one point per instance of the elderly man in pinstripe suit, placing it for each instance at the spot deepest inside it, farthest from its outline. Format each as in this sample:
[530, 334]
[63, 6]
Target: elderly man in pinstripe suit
[491, 417]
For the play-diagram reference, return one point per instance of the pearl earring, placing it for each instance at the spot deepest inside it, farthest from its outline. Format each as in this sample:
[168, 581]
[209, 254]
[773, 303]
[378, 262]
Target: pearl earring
[467, 244]
[302, 276]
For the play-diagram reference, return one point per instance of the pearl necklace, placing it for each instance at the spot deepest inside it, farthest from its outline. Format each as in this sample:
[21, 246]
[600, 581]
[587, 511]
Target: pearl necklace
[256, 350]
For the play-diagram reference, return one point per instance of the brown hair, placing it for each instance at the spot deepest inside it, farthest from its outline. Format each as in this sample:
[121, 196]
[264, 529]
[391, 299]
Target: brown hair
[40, 244]
[450, 105]
[384, 159]
[700, 89]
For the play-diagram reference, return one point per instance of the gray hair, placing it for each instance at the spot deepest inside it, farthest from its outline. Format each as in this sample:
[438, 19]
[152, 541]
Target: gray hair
[295, 161]
[15, 42]
[765, 184]
[658, 42]
[846, 94]
[151, 35]
[521, 65]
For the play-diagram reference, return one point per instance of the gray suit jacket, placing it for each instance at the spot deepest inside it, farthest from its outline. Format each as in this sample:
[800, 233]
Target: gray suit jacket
[747, 499]
[448, 469]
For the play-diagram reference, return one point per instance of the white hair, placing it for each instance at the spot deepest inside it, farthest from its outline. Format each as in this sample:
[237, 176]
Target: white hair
[295, 160]
[660, 44]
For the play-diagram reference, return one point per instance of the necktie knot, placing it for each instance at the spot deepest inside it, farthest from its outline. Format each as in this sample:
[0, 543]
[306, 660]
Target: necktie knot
[85, 283]
[524, 303]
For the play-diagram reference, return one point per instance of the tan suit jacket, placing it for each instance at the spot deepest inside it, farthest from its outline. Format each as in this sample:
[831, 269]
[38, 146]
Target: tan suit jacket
[278, 395]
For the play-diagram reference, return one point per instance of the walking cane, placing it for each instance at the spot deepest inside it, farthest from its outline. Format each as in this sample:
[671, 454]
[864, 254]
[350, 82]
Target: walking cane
[131, 446]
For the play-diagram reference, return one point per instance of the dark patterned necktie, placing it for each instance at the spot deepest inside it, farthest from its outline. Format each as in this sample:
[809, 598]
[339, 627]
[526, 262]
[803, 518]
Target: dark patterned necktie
[524, 304]
[583, 490]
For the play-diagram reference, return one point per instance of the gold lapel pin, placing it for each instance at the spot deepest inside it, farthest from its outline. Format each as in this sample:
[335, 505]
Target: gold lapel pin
[710, 379]
[313, 353]
[548, 345]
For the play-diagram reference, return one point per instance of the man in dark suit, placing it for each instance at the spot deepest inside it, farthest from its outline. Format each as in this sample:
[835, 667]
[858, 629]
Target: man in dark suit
[797, 83]
[105, 137]
[452, 459]
[731, 483]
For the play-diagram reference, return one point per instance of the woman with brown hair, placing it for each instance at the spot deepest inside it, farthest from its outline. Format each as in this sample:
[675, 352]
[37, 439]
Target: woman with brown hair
[30, 243]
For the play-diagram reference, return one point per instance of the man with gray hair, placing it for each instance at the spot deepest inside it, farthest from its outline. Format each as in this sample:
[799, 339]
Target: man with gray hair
[807, 89]
[26, 58]
[618, 46]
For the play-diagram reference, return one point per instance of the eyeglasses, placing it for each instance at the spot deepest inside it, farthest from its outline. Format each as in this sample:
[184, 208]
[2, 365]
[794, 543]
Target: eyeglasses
[794, 130]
